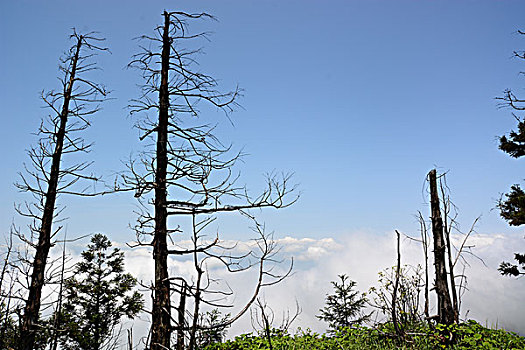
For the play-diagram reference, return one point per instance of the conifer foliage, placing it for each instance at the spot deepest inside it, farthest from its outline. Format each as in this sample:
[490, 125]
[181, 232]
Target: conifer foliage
[512, 207]
[96, 298]
[212, 332]
[344, 307]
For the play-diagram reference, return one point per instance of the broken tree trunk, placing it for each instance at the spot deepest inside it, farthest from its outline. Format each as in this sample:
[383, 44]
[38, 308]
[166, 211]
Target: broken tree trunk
[445, 310]
[455, 304]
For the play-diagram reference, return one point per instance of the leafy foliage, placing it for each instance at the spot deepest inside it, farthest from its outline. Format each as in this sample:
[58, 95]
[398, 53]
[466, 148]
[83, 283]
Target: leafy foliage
[408, 294]
[96, 297]
[344, 307]
[469, 335]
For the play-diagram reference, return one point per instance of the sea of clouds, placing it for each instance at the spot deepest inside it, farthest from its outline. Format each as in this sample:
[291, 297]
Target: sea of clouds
[491, 299]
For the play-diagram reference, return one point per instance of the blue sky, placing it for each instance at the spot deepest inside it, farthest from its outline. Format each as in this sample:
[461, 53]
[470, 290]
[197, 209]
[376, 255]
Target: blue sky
[360, 99]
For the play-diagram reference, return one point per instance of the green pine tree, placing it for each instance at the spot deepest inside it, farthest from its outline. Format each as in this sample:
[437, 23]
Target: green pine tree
[96, 297]
[344, 307]
[512, 207]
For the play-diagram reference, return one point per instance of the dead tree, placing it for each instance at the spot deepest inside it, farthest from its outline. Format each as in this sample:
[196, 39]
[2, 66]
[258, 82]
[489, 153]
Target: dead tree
[60, 298]
[206, 291]
[48, 176]
[449, 223]
[425, 245]
[265, 321]
[9, 294]
[186, 163]
[444, 307]
[262, 318]
[396, 285]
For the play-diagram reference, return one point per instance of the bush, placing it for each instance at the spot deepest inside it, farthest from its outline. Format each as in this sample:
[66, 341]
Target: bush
[469, 335]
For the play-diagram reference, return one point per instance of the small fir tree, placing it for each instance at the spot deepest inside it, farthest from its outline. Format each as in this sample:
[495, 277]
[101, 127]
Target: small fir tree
[212, 329]
[8, 328]
[96, 298]
[344, 307]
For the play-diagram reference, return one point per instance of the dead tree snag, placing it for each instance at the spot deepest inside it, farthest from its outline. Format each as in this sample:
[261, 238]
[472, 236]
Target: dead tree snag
[49, 176]
[188, 173]
[445, 309]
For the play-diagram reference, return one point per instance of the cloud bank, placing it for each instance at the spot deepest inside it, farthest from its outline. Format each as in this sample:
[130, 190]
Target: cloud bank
[491, 299]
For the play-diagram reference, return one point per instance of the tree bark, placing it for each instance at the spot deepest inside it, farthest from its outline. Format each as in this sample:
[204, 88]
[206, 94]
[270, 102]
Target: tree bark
[445, 310]
[196, 309]
[396, 285]
[32, 309]
[455, 304]
[56, 324]
[424, 240]
[182, 314]
[447, 228]
[161, 327]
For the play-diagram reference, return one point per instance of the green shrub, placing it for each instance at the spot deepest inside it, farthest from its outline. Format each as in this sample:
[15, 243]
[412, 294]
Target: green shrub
[469, 335]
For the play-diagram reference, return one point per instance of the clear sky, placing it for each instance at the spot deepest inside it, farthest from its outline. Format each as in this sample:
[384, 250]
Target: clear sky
[360, 99]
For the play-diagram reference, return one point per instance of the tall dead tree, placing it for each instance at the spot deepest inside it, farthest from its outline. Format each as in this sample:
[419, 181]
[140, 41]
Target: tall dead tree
[47, 176]
[445, 308]
[186, 173]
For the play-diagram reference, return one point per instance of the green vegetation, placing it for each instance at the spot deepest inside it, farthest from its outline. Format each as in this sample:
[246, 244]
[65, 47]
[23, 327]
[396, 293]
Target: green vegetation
[512, 206]
[469, 335]
[192, 175]
[343, 308]
[215, 326]
[96, 298]
[344, 314]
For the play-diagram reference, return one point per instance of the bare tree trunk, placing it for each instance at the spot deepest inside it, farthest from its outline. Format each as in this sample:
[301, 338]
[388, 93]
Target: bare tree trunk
[161, 327]
[396, 285]
[6, 295]
[447, 228]
[424, 240]
[56, 323]
[181, 310]
[198, 290]
[130, 339]
[266, 324]
[452, 279]
[32, 308]
[445, 310]
[196, 310]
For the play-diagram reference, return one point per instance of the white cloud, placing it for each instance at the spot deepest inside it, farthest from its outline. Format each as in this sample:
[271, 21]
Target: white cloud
[492, 299]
